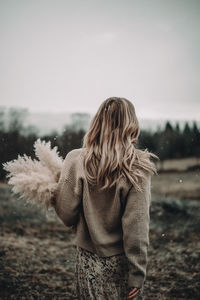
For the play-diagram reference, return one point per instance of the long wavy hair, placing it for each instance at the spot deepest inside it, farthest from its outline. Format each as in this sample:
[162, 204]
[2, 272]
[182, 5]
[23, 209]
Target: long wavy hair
[110, 143]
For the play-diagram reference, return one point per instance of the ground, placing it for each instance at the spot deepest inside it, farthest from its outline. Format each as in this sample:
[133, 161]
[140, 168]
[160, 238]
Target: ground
[182, 185]
[37, 256]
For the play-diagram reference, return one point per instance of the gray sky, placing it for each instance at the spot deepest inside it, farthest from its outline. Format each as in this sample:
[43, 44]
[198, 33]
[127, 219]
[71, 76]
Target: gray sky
[71, 55]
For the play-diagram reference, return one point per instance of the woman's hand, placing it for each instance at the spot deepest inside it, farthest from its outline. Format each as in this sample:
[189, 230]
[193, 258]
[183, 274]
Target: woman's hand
[133, 292]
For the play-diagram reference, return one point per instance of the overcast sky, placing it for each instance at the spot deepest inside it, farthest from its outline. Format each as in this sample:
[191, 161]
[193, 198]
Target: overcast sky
[71, 55]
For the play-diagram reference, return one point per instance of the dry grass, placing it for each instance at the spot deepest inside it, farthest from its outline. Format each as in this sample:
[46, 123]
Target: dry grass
[179, 165]
[184, 185]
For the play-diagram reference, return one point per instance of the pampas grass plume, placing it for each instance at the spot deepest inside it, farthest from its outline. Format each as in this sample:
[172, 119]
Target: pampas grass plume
[36, 179]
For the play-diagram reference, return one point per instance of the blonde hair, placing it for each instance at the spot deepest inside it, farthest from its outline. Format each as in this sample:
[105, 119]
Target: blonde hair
[110, 144]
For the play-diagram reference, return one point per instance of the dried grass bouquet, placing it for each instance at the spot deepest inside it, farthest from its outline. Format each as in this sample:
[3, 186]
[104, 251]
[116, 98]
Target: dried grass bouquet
[36, 179]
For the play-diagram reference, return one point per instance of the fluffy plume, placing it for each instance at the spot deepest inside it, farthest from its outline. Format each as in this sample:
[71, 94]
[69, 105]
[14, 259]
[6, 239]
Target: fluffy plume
[48, 157]
[36, 179]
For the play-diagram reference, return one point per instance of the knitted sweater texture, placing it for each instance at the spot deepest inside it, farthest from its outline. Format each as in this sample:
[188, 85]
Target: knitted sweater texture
[107, 222]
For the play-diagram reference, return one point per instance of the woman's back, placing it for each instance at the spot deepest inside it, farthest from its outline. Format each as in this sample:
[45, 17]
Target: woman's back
[108, 222]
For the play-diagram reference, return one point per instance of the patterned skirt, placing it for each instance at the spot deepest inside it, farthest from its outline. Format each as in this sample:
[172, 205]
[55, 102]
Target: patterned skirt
[102, 278]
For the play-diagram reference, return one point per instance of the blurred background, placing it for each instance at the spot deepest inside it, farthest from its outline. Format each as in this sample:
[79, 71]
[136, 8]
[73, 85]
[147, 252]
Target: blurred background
[59, 60]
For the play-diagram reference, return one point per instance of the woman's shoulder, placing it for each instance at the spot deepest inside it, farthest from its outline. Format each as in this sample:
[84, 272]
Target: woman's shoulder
[73, 163]
[74, 159]
[75, 153]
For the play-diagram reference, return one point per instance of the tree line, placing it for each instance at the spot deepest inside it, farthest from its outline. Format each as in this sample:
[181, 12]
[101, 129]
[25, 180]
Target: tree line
[173, 142]
[18, 139]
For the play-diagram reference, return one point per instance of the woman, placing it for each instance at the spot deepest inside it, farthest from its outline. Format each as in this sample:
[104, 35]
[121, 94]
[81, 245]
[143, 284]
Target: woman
[104, 193]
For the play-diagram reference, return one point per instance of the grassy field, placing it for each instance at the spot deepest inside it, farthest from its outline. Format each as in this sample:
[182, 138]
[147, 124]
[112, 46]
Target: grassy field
[37, 256]
[179, 165]
[183, 185]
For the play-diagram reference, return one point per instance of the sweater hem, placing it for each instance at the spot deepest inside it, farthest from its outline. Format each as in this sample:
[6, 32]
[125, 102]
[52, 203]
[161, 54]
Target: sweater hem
[101, 252]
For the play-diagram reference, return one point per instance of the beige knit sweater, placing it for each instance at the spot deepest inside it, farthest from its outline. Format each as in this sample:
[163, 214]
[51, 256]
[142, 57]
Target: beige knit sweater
[107, 222]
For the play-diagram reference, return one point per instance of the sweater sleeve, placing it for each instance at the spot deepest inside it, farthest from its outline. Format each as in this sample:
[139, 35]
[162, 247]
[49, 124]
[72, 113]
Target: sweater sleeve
[135, 224]
[68, 195]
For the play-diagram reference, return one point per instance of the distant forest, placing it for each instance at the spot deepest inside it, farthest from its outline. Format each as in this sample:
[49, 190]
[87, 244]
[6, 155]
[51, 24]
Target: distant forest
[18, 139]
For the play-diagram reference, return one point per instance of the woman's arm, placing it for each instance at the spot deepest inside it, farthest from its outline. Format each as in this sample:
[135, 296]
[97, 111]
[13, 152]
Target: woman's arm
[135, 224]
[68, 196]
